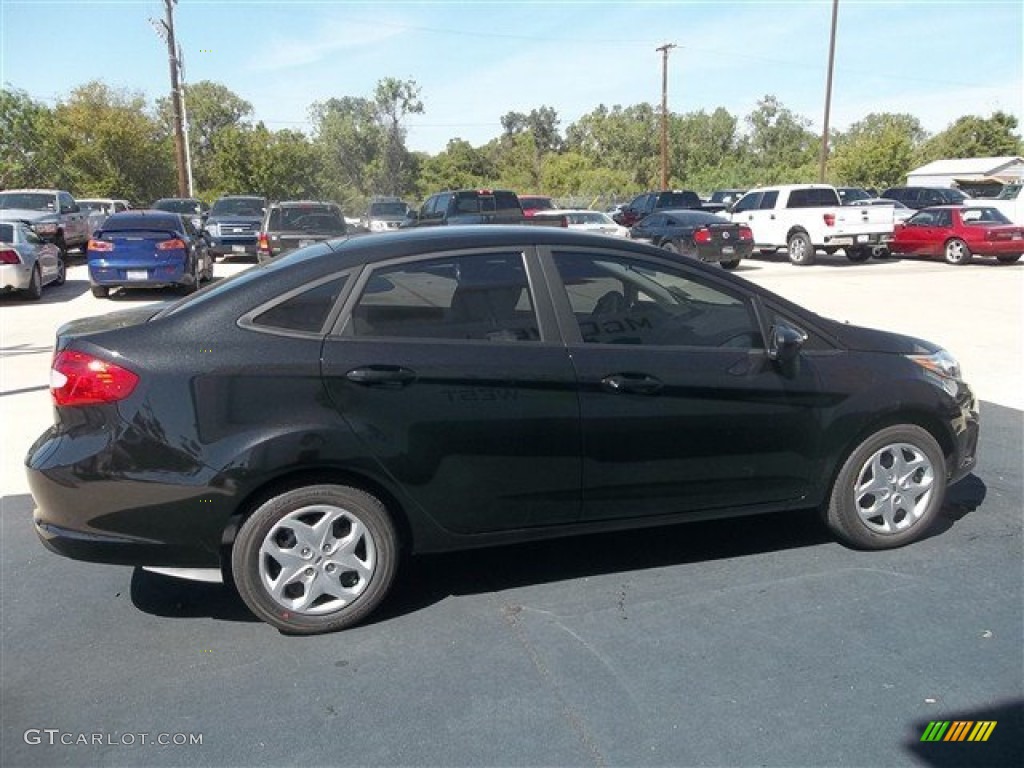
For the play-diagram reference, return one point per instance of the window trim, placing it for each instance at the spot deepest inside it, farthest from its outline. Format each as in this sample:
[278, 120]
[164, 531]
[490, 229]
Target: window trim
[248, 320]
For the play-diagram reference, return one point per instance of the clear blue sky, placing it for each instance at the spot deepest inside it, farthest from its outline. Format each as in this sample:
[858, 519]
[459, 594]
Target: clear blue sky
[475, 61]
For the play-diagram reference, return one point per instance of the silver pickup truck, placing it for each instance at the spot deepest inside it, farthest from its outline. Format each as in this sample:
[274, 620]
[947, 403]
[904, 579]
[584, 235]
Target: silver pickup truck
[52, 214]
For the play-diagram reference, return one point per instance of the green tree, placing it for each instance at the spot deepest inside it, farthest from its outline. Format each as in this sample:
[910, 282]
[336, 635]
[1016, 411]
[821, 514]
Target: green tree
[973, 136]
[623, 139]
[458, 166]
[110, 146]
[395, 100]
[876, 151]
[782, 148]
[211, 108]
[26, 151]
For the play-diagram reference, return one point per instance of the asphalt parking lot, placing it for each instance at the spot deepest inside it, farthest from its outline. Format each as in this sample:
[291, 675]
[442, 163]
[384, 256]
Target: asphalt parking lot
[756, 641]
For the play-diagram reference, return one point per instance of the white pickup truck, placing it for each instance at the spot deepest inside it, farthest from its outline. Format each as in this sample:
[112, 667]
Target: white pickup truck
[803, 218]
[1010, 201]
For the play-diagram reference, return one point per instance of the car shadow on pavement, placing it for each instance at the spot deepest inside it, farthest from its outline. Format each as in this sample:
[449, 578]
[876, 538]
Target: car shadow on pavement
[52, 294]
[176, 598]
[822, 259]
[428, 579]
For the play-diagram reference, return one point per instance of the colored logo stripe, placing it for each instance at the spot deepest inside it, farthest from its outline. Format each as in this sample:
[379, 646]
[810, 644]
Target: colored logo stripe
[958, 730]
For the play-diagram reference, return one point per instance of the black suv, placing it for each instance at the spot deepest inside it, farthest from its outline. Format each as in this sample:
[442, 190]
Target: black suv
[296, 224]
[923, 197]
[233, 224]
[649, 202]
[468, 206]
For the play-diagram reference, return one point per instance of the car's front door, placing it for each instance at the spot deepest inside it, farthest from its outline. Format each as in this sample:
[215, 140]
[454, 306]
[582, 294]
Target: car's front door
[459, 391]
[682, 410]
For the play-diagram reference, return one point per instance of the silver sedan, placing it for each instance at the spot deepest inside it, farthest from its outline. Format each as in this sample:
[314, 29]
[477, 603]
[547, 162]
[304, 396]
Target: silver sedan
[27, 262]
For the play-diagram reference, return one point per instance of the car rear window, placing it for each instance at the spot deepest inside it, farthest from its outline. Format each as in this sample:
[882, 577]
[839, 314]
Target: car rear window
[680, 199]
[816, 197]
[498, 201]
[308, 218]
[124, 222]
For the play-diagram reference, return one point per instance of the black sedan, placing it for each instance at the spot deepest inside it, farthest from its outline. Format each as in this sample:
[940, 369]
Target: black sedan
[300, 427]
[698, 235]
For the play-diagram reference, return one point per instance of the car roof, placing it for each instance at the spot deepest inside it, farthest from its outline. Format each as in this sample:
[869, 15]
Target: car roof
[299, 203]
[158, 217]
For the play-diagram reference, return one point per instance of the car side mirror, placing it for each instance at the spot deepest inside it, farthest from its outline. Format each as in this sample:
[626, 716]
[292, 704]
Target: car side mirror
[411, 215]
[785, 345]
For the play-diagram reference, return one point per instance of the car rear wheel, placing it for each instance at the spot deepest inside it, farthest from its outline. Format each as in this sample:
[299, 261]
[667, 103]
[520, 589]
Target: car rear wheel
[62, 273]
[35, 285]
[100, 291]
[889, 489]
[1008, 258]
[957, 252]
[732, 264]
[801, 249]
[858, 255]
[315, 559]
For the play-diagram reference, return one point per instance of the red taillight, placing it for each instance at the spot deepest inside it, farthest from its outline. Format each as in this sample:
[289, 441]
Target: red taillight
[702, 236]
[745, 233]
[9, 256]
[171, 245]
[81, 379]
[830, 219]
[264, 241]
[100, 245]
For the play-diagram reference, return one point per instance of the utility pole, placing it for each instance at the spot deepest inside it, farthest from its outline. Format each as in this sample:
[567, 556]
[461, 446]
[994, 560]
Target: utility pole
[828, 92]
[184, 123]
[166, 31]
[664, 112]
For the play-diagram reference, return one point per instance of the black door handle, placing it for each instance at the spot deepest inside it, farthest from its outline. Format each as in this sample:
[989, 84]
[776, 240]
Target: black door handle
[632, 383]
[381, 375]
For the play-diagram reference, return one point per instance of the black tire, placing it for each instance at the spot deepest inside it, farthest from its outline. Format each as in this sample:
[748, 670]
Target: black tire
[62, 272]
[858, 255]
[208, 272]
[800, 249]
[956, 252]
[61, 244]
[353, 577]
[100, 291]
[899, 473]
[1008, 258]
[34, 292]
[731, 264]
[193, 285]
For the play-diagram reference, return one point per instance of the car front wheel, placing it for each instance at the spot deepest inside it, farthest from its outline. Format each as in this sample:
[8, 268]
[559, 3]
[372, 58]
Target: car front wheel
[731, 264]
[889, 489]
[315, 559]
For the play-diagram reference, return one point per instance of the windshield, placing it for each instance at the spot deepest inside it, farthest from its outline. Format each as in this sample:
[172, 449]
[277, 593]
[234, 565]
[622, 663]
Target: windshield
[238, 206]
[1009, 192]
[388, 209]
[29, 201]
[177, 206]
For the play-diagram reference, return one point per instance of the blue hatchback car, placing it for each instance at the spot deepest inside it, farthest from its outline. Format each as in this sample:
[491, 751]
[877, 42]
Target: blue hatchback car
[148, 249]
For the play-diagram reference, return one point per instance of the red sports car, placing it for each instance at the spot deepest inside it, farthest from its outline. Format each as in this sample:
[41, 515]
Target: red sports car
[958, 232]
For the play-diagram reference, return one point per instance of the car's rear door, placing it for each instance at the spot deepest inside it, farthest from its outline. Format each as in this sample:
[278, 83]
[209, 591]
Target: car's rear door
[448, 369]
[682, 411]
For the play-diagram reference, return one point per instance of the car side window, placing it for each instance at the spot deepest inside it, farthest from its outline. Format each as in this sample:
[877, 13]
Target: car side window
[943, 219]
[768, 200]
[483, 297]
[749, 202]
[306, 311]
[621, 300]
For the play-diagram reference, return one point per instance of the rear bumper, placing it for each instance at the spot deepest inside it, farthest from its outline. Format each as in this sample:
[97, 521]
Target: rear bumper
[865, 239]
[233, 246]
[15, 277]
[140, 275]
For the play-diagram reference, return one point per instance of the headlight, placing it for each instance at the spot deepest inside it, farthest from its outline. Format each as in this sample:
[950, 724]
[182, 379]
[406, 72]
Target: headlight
[377, 226]
[213, 229]
[944, 366]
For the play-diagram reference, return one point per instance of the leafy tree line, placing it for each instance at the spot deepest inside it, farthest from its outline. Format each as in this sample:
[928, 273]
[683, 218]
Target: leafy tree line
[101, 142]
